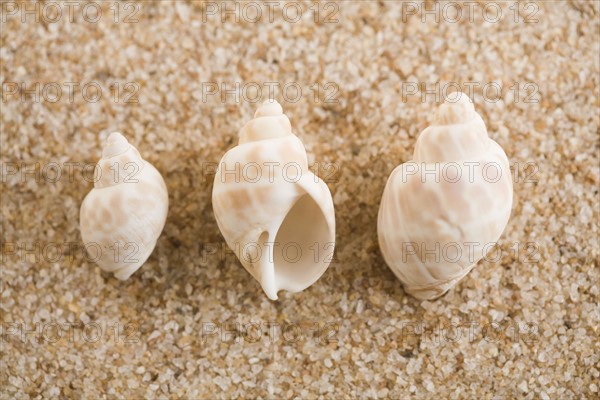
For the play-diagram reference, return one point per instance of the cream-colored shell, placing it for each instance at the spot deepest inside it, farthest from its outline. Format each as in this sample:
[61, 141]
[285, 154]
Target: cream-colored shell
[122, 217]
[274, 213]
[434, 225]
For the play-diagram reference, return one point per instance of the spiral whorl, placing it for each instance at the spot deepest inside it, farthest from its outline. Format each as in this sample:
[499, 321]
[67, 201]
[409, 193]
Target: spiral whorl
[118, 156]
[456, 133]
[269, 122]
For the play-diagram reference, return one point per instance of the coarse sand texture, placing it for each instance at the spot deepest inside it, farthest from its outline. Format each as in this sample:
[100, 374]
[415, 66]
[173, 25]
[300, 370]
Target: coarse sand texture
[359, 81]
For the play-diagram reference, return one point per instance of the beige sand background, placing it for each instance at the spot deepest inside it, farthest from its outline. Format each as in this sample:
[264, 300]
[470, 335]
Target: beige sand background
[522, 325]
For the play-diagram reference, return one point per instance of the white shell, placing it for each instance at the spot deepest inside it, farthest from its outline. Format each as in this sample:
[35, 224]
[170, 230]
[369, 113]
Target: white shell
[122, 217]
[434, 225]
[274, 213]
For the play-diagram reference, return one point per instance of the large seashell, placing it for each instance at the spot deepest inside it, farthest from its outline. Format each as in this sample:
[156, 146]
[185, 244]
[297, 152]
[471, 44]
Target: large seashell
[274, 213]
[122, 217]
[434, 225]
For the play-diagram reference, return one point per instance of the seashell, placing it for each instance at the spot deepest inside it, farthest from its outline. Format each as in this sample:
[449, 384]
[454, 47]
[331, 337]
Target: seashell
[275, 214]
[441, 212]
[122, 217]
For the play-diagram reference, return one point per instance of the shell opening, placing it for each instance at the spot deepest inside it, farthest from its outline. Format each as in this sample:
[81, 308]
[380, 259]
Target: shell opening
[303, 251]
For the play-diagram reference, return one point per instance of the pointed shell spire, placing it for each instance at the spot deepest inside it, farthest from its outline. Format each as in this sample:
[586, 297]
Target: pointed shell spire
[456, 133]
[115, 145]
[120, 162]
[457, 109]
[269, 122]
[269, 108]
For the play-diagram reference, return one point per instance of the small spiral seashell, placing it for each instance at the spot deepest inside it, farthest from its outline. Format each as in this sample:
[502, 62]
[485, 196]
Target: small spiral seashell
[441, 212]
[122, 217]
[275, 214]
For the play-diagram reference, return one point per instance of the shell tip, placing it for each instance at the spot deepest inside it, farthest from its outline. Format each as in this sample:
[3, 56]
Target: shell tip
[115, 144]
[457, 108]
[459, 98]
[115, 137]
[269, 108]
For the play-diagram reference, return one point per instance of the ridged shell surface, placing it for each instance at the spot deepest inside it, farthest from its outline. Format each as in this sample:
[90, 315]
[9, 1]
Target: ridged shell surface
[123, 215]
[443, 211]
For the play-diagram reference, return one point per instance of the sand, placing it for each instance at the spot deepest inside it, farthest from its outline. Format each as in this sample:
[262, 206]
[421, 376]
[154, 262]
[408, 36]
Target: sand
[192, 323]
